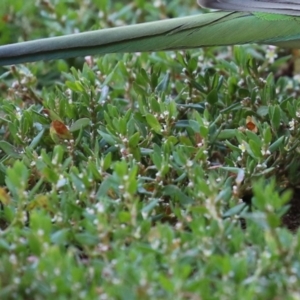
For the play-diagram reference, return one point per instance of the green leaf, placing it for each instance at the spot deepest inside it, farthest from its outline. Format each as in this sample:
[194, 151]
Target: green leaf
[9, 149]
[237, 209]
[212, 97]
[108, 138]
[36, 140]
[153, 123]
[277, 144]
[274, 112]
[75, 86]
[134, 139]
[255, 149]
[79, 124]
[17, 176]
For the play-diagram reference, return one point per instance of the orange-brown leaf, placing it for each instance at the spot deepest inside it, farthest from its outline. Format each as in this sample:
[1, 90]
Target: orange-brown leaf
[61, 129]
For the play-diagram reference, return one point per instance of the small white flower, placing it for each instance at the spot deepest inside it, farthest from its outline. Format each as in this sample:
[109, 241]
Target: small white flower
[242, 147]
[297, 78]
[292, 124]
[271, 54]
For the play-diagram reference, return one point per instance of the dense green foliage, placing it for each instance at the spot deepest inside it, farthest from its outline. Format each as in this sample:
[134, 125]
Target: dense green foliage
[146, 200]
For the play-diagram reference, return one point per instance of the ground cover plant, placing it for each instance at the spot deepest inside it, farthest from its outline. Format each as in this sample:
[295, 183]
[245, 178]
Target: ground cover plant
[148, 175]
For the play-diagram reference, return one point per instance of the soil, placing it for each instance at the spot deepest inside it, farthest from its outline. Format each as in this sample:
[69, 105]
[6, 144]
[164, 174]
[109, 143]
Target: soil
[291, 219]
